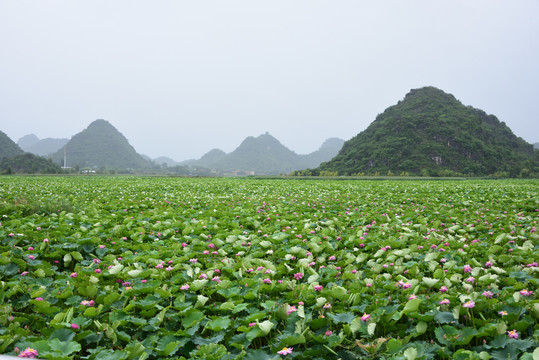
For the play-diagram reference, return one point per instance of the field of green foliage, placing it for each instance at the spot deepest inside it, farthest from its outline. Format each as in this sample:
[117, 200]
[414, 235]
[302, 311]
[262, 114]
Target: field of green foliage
[150, 268]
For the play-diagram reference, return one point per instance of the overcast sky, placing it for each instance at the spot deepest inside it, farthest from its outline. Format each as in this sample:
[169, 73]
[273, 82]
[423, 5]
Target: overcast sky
[179, 78]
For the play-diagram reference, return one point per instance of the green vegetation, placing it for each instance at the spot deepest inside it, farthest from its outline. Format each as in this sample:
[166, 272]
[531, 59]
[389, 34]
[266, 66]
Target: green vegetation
[27, 163]
[7, 147]
[150, 268]
[101, 145]
[433, 134]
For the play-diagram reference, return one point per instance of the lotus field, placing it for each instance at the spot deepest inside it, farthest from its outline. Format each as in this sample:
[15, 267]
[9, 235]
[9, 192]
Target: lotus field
[153, 268]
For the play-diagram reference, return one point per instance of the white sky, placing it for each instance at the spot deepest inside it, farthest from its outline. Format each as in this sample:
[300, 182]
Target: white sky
[179, 78]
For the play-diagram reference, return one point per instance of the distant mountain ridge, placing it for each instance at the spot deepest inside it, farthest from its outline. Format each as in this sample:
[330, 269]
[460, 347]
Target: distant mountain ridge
[162, 160]
[431, 132]
[101, 145]
[43, 147]
[265, 155]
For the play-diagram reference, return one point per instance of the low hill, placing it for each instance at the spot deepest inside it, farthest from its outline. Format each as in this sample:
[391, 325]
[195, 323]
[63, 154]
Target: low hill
[265, 155]
[211, 157]
[101, 145]
[8, 148]
[43, 147]
[28, 163]
[431, 132]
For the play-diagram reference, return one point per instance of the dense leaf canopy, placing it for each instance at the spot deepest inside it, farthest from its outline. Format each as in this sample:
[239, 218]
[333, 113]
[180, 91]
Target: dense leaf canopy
[432, 132]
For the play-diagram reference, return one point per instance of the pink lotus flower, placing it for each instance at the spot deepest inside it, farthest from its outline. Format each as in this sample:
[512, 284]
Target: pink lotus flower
[217, 279]
[267, 281]
[184, 287]
[329, 333]
[73, 275]
[488, 294]
[31, 257]
[471, 280]
[87, 303]
[298, 276]
[513, 334]
[502, 313]
[97, 271]
[444, 302]
[406, 285]
[365, 317]
[285, 351]
[488, 264]
[318, 288]
[29, 353]
[467, 269]
[75, 326]
[469, 304]
[526, 292]
[38, 299]
[411, 297]
[327, 306]
[252, 324]
[159, 266]
[24, 273]
[292, 309]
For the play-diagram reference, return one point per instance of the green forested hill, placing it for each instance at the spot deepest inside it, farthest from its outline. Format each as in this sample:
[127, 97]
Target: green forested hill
[431, 132]
[101, 145]
[8, 148]
[27, 163]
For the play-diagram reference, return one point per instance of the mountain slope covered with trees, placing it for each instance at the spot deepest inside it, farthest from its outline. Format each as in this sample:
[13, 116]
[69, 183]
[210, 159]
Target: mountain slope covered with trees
[8, 148]
[101, 145]
[430, 132]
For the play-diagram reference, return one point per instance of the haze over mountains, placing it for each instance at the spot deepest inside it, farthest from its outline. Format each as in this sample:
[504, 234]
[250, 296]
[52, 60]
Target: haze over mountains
[43, 147]
[429, 132]
[265, 155]
[102, 146]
